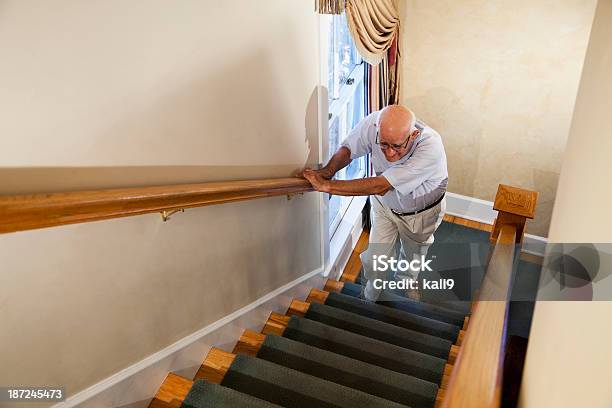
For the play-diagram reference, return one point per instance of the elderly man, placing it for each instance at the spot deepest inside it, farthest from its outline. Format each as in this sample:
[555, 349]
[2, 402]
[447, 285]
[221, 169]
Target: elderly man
[407, 192]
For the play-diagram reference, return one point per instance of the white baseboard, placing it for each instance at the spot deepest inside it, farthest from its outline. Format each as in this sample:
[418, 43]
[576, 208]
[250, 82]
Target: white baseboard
[533, 244]
[479, 210]
[135, 386]
[470, 208]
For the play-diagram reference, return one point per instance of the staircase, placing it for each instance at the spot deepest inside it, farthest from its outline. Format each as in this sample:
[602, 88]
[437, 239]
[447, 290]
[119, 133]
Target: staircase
[332, 349]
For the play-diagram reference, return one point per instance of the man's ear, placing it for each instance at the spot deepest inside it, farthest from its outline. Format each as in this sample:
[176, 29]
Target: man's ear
[416, 133]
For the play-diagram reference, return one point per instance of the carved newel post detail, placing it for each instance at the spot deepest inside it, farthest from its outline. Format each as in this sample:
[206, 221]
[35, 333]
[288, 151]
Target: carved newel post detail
[515, 205]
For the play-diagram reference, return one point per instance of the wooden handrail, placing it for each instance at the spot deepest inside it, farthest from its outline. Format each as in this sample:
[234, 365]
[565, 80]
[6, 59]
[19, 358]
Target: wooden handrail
[476, 380]
[26, 212]
[477, 377]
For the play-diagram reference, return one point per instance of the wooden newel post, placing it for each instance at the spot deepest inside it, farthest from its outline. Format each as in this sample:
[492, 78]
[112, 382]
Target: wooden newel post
[515, 205]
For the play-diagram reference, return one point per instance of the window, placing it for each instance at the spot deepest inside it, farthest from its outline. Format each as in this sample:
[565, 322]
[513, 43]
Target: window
[346, 105]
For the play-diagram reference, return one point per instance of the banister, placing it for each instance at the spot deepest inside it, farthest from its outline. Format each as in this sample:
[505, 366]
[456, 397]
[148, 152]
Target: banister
[476, 380]
[26, 212]
[477, 376]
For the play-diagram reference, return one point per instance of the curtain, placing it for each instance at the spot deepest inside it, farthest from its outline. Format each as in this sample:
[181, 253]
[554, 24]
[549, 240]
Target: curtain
[375, 27]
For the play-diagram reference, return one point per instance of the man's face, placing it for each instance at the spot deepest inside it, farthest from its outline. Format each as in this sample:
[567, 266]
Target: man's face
[394, 147]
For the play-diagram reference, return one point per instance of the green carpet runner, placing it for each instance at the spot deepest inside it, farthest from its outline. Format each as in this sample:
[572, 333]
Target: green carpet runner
[292, 388]
[207, 395]
[393, 316]
[377, 329]
[366, 349]
[350, 372]
[349, 352]
[408, 305]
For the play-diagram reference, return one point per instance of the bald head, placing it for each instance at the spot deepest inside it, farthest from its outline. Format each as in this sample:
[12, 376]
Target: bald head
[395, 123]
[396, 126]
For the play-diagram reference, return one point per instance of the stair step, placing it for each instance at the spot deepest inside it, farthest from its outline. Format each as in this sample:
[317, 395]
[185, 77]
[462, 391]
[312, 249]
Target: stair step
[381, 312]
[349, 372]
[399, 317]
[410, 305]
[209, 395]
[250, 342]
[366, 349]
[373, 328]
[290, 388]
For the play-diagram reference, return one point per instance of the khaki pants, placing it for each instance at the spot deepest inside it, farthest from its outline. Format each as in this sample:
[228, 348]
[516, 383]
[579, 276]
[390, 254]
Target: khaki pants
[413, 232]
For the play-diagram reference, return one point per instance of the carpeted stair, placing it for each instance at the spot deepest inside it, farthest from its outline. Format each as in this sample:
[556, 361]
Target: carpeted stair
[332, 350]
[417, 308]
[208, 395]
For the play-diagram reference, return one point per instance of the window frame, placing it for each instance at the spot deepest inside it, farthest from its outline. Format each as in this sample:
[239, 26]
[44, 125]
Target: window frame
[337, 112]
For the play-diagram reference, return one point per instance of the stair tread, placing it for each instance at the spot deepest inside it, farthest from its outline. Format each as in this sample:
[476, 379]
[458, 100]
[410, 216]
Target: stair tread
[208, 395]
[349, 372]
[294, 389]
[377, 329]
[365, 349]
[405, 304]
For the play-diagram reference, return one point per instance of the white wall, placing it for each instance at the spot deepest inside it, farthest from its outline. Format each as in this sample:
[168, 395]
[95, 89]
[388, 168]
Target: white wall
[498, 80]
[569, 356]
[114, 93]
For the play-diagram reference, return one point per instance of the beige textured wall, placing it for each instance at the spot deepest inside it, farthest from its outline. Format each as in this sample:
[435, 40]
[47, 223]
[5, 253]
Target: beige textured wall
[569, 356]
[498, 80]
[102, 94]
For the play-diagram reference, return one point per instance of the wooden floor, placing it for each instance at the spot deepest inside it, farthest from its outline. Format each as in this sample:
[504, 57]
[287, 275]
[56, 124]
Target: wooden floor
[468, 223]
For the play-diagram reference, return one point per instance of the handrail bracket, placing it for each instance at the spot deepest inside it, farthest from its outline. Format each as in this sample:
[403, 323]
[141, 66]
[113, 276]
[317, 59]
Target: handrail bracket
[166, 214]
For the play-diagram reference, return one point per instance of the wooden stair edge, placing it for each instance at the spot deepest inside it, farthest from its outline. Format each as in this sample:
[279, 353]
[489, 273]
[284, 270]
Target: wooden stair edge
[333, 286]
[440, 397]
[215, 366]
[276, 324]
[249, 343]
[446, 375]
[353, 265]
[460, 337]
[298, 308]
[466, 321]
[452, 355]
[172, 392]
[317, 296]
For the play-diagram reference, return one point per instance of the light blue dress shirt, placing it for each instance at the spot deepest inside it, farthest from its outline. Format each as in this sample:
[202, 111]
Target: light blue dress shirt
[418, 179]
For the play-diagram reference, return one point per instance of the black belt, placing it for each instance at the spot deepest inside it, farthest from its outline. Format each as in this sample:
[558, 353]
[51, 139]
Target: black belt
[432, 205]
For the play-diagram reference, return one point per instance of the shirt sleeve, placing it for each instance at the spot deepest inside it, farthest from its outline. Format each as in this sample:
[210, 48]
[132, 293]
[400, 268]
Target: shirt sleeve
[419, 168]
[357, 140]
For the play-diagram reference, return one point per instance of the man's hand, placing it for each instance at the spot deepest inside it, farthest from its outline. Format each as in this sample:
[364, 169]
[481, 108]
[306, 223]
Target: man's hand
[315, 178]
[323, 173]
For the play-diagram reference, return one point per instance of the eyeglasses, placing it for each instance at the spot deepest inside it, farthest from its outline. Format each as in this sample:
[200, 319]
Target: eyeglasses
[396, 147]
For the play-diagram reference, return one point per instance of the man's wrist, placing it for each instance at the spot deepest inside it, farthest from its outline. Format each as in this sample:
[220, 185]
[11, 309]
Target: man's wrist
[326, 186]
[327, 173]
